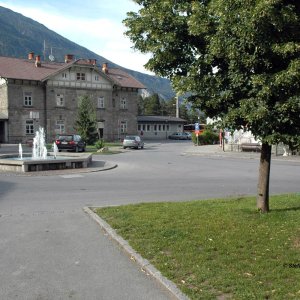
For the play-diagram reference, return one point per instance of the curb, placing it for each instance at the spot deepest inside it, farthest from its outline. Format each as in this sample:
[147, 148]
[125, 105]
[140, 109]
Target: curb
[106, 166]
[143, 263]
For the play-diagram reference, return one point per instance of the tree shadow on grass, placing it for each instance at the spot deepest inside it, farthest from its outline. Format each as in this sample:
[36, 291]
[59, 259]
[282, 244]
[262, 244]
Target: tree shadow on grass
[285, 209]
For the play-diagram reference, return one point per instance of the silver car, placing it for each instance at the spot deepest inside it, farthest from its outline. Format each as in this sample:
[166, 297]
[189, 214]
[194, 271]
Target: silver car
[178, 136]
[133, 141]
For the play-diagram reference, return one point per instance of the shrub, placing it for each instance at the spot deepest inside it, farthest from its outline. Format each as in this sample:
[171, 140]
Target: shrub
[208, 137]
[99, 144]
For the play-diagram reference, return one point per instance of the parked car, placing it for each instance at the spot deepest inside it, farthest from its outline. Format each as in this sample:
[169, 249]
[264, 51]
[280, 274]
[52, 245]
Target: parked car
[178, 136]
[70, 142]
[188, 135]
[133, 141]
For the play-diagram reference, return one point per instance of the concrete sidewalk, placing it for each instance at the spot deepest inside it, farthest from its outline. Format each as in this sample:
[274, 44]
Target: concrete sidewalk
[217, 151]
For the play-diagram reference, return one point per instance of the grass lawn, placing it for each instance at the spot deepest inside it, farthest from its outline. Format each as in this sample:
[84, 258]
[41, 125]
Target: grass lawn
[113, 148]
[218, 249]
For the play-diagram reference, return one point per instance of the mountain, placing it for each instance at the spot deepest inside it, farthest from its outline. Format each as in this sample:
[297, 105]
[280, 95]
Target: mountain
[20, 35]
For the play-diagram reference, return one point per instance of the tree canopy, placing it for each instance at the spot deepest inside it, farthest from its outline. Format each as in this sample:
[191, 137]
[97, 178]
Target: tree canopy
[238, 59]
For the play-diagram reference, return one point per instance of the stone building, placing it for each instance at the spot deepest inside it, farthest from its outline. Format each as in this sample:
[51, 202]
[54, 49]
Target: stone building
[35, 93]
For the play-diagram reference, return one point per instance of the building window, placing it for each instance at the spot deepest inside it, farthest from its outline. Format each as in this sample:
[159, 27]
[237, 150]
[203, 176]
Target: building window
[123, 126]
[80, 76]
[123, 103]
[155, 127]
[29, 127]
[101, 103]
[64, 75]
[96, 77]
[139, 127]
[60, 126]
[60, 100]
[28, 99]
[113, 103]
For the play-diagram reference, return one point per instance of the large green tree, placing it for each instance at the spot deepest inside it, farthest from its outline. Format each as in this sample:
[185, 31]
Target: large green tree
[85, 123]
[238, 59]
[152, 105]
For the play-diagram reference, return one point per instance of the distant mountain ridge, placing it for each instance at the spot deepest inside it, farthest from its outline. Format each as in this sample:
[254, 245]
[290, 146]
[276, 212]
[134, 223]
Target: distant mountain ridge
[20, 35]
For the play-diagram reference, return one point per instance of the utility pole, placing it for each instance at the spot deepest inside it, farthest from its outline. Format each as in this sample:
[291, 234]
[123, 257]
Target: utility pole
[177, 106]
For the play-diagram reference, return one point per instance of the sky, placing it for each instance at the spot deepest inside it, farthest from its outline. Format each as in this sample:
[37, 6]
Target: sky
[94, 24]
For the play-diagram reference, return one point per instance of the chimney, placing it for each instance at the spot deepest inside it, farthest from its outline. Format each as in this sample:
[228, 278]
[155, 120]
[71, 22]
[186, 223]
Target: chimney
[69, 58]
[38, 63]
[31, 55]
[92, 61]
[104, 68]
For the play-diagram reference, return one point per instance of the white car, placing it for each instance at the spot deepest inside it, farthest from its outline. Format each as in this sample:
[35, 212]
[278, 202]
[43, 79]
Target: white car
[133, 141]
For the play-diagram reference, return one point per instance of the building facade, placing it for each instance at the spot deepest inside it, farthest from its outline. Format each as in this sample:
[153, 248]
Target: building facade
[47, 94]
[159, 127]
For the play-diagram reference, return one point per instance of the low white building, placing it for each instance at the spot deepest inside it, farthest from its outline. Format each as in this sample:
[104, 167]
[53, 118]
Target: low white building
[159, 127]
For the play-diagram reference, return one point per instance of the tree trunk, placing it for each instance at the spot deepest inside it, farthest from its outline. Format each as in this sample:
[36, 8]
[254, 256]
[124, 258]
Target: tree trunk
[264, 178]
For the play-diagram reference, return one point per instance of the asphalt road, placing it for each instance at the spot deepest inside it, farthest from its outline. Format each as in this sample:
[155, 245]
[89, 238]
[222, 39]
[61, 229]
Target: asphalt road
[50, 249]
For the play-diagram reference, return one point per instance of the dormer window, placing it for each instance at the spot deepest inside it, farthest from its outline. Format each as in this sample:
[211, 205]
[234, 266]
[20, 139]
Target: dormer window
[96, 77]
[64, 75]
[80, 76]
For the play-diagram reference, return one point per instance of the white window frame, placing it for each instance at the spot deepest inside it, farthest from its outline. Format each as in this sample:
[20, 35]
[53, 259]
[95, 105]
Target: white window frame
[64, 75]
[97, 77]
[123, 103]
[29, 127]
[80, 76]
[60, 126]
[101, 102]
[60, 101]
[123, 126]
[27, 99]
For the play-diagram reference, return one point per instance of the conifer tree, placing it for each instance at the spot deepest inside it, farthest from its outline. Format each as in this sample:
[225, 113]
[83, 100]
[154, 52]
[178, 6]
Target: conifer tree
[85, 123]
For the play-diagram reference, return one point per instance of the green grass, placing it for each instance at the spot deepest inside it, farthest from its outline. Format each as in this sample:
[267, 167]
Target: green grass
[218, 249]
[113, 148]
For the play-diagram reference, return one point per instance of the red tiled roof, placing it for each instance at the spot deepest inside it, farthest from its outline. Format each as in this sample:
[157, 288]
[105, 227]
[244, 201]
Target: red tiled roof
[123, 79]
[25, 69]
[16, 68]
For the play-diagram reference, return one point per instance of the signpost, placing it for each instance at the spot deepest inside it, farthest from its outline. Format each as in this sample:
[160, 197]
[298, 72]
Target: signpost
[197, 129]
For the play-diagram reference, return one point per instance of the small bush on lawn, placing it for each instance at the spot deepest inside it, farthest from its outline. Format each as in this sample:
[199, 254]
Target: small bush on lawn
[99, 144]
[208, 137]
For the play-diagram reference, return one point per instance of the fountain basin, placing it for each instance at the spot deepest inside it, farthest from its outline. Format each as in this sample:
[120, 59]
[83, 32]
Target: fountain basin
[65, 160]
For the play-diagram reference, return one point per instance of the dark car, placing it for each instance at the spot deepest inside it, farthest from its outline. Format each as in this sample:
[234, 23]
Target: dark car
[70, 142]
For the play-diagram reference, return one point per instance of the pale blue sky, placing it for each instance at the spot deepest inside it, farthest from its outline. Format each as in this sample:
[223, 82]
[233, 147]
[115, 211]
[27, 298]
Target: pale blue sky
[94, 24]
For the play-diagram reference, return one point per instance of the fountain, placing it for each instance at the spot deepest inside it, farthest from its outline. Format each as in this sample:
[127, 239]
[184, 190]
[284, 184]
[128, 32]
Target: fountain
[39, 150]
[55, 150]
[20, 151]
[41, 160]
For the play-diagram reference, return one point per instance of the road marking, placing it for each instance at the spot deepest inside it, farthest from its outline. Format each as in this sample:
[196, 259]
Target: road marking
[71, 176]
